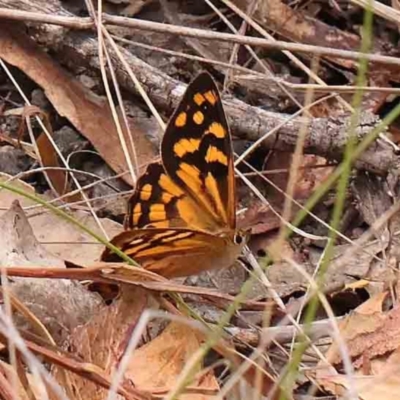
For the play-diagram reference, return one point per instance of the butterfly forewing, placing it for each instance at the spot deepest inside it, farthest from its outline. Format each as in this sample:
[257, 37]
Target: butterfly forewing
[151, 204]
[196, 152]
[181, 217]
[159, 203]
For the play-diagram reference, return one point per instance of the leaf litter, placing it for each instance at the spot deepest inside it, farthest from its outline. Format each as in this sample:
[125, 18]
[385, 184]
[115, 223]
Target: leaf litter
[59, 261]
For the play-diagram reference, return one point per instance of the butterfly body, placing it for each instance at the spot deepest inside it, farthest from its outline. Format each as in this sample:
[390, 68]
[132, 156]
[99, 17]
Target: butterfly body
[181, 216]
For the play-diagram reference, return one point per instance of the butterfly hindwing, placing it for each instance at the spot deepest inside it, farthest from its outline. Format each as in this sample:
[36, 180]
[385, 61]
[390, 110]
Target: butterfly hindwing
[152, 242]
[197, 152]
[165, 251]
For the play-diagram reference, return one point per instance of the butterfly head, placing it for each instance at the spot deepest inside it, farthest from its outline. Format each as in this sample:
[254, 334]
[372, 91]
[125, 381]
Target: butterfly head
[239, 238]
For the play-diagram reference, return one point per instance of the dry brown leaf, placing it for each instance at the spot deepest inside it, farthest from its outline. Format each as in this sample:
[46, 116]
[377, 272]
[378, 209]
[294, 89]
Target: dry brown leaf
[157, 365]
[311, 176]
[299, 26]
[19, 246]
[48, 156]
[373, 343]
[384, 384]
[9, 374]
[168, 354]
[102, 342]
[61, 305]
[363, 332]
[56, 234]
[259, 218]
[313, 172]
[89, 113]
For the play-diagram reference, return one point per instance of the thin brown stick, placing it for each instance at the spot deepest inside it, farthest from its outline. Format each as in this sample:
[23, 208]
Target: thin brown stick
[86, 23]
[326, 136]
[281, 334]
[83, 369]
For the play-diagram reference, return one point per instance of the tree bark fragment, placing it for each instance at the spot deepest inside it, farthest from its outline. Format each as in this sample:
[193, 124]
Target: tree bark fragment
[325, 137]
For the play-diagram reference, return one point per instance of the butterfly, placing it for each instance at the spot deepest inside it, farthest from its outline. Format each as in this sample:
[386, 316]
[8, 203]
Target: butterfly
[181, 218]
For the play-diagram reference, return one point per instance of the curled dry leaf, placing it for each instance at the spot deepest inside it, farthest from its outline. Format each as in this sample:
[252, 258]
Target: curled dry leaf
[383, 383]
[156, 366]
[56, 234]
[311, 174]
[372, 336]
[299, 26]
[89, 113]
[365, 331]
[61, 305]
[57, 178]
[102, 342]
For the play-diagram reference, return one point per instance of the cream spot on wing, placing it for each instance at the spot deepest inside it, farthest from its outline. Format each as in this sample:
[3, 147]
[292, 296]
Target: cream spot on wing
[211, 97]
[137, 212]
[198, 117]
[217, 130]
[157, 212]
[185, 146]
[214, 154]
[133, 250]
[180, 120]
[178, 236]
[165, 234]
[145, 192]
[199, 99]
[136, 242]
